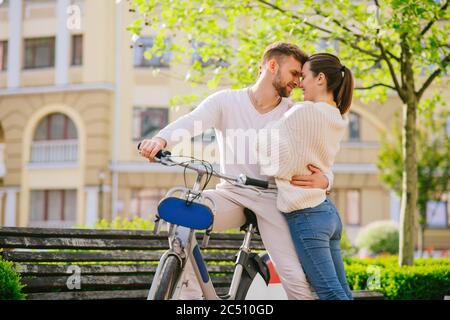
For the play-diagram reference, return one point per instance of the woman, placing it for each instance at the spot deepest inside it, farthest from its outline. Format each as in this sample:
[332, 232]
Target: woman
[310, 133]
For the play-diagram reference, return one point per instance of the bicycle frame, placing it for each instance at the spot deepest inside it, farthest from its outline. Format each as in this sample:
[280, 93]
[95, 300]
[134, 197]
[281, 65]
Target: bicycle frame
[183, 244]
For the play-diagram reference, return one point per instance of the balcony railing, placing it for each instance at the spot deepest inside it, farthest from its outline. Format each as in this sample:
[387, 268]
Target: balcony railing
[54, 151]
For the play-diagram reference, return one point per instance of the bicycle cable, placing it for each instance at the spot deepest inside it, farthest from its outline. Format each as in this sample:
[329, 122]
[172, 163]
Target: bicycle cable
[209, 170]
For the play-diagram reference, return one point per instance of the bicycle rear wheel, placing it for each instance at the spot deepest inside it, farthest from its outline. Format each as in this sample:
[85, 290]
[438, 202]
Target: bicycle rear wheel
[169, 275]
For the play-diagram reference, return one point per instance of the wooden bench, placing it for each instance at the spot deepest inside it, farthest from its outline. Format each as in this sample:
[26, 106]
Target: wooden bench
[110, 264]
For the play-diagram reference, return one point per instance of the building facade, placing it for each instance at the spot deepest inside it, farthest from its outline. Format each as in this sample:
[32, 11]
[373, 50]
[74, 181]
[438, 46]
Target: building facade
[76, 95]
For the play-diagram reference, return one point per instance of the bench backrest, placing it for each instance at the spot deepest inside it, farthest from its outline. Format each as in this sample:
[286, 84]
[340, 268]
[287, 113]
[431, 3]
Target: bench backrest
[103, 264]
[60, 264]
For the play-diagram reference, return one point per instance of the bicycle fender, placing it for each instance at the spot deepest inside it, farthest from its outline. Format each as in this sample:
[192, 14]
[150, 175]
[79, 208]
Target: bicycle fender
[261, 267]
[254, 264]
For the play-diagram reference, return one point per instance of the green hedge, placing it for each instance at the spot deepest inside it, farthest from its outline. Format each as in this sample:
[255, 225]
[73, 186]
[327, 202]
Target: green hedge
[426, 279]
[119, 223]
[10, 287]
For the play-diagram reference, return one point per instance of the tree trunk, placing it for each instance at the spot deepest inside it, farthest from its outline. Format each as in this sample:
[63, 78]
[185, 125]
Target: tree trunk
[422, 224]
[420, 240]
[409, 179]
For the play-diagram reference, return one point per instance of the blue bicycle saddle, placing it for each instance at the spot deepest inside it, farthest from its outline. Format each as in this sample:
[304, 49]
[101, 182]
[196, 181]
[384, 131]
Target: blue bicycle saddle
[193, 215]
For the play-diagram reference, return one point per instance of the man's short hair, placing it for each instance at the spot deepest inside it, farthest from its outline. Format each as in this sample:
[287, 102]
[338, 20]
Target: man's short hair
[279, 50]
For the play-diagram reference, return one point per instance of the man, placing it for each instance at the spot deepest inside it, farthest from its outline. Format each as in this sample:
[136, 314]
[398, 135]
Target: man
[250, 109]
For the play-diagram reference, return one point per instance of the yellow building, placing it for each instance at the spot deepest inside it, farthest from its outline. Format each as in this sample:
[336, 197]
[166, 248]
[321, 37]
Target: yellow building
[75, 99]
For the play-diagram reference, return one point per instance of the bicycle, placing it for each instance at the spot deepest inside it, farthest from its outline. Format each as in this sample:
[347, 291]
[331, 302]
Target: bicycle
[188, 213]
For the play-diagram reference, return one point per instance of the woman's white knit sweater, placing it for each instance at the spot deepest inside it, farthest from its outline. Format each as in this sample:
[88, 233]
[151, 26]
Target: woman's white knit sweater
[308, 133]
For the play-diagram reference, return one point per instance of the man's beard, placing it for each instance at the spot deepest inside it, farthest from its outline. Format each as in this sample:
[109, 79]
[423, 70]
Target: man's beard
[281, 90]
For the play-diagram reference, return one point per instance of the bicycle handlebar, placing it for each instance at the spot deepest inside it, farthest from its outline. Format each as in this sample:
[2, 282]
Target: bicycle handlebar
[257, 183]
[242, 179]
[160, 154]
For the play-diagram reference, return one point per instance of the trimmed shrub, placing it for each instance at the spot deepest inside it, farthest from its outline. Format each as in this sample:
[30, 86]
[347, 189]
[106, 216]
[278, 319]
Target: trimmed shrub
[379, 237]
[10, 286]
[426, 279]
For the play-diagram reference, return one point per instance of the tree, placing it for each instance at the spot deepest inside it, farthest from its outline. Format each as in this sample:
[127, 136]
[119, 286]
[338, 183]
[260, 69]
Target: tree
[433, 159]
[391, 45]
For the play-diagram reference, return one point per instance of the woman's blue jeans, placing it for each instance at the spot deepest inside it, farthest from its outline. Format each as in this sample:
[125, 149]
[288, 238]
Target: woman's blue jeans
[316, 233]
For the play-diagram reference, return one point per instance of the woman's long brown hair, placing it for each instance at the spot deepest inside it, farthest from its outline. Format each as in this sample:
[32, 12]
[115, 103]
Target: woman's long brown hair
[339, 78]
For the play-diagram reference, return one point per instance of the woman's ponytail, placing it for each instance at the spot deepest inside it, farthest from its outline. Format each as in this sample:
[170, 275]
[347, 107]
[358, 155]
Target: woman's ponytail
[344, 95]
[339, 78]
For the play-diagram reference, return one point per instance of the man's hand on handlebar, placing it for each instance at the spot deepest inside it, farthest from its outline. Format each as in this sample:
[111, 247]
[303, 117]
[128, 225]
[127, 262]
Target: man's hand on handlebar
[150, 147]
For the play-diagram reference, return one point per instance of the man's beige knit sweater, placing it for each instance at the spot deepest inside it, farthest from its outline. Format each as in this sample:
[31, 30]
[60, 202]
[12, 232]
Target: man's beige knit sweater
[308, 133]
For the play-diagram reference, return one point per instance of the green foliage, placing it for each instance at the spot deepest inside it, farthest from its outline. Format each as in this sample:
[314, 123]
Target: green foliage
[379, 237]
[186, 100]
[136, 223]
[433, 160]
[392, 261]
[386, 43]
[347, 248]
[426, 279]
[369, 40]
[390, 159]
[10, 286]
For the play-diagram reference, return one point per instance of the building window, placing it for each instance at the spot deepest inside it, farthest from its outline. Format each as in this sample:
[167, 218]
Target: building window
[39, 53]
[53, 207]
[437, 214]
[158, 59]
[354, 127]
[148, 121]
[56, 126]
[55, 140]
[77, 50]
[352, 212]
[144, 203]
[3, 55]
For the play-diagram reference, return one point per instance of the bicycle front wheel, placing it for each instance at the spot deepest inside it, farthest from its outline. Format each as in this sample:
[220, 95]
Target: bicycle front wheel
[169, 275]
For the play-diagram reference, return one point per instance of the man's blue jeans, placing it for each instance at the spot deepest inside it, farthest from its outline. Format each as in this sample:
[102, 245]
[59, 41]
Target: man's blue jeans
[316, 233]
